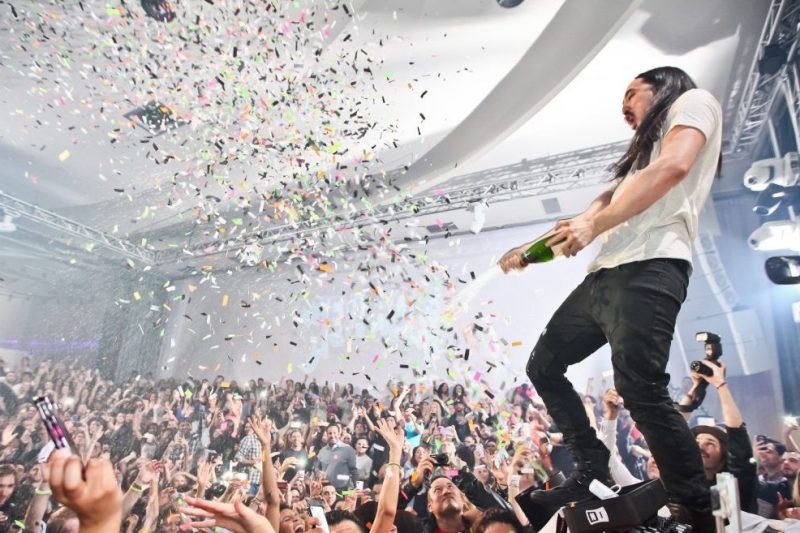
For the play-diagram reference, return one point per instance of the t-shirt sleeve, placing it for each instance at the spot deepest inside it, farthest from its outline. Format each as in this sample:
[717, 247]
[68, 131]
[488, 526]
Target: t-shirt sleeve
[698, 109]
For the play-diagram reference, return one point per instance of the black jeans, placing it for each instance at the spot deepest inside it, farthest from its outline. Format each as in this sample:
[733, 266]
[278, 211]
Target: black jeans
[632, 307]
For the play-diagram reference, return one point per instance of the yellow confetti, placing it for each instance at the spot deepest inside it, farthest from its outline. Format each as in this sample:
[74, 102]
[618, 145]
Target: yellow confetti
[516, 343]
[192, 288]
[225, 300]
[289, 368]
[63, 156]
[137, 296]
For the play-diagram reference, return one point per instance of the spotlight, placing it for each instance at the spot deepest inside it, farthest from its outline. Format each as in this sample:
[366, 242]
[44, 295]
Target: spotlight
[478, 217]
[774, 57]
[773, 197]
[780, 170]
[777, 235]
[783, 269]
[509, 3]
[159, 10]
[7, 225]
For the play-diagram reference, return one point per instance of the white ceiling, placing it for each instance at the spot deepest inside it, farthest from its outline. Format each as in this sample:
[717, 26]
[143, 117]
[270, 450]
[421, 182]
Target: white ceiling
[70, 73]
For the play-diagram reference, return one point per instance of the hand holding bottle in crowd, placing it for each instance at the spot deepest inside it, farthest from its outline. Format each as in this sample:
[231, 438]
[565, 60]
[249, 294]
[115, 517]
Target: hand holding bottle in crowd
[92, 492]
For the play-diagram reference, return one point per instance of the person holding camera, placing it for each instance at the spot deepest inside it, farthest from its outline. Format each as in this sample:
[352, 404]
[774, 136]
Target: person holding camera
[725, 450]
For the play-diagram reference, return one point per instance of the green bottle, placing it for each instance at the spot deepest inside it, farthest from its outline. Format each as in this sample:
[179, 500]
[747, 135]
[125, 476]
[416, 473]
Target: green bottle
[539, 252]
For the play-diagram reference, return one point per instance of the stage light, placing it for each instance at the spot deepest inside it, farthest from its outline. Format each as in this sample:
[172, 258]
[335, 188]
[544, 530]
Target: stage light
[777, 235]
[159, 10]
[509, 3]
[774, 57]
[773, 197]
[7, 225]
[783, 269]
[783, 171]
[478, 217]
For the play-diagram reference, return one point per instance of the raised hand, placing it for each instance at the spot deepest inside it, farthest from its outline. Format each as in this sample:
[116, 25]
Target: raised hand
[263, 430]
[392, 439]
[205, 474]
[236, 516]
[717, 377]
[96, 499]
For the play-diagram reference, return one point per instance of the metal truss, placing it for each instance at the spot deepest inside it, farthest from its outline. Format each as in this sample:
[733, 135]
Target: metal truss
[528, 178]
[55, 221]
[759, 92]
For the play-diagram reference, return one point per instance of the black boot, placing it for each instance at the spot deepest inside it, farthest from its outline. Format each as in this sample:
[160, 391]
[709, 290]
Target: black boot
[701, 520]
[540, 505]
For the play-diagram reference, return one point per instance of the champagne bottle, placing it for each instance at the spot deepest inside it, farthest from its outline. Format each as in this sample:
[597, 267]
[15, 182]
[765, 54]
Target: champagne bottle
[539, 252]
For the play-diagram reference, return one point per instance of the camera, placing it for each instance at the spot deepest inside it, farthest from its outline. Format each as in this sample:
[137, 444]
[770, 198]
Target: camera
[440, 459]
[713, 346]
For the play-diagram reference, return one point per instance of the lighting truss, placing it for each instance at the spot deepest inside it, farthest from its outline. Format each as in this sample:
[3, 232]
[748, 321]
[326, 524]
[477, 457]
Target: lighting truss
[528, 178]
[759, 91]
[71, 227]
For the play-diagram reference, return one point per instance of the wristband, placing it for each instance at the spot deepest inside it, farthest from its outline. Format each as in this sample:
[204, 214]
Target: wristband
[136, 488]
[395, 464]
[722, 385]
[40, 492]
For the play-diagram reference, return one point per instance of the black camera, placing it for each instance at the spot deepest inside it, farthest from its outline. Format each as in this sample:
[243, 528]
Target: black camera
[713, 352]
[440, 459]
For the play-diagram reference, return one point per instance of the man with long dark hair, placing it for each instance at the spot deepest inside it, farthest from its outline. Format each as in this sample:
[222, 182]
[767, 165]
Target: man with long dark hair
[647, 220]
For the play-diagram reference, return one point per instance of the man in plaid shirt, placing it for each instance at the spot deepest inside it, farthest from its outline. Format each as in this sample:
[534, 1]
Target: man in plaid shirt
[249, 455]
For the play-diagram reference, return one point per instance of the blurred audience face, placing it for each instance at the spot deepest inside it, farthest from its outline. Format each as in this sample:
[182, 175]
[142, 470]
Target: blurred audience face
[482, 473]
[333, 435]
[421, 453]
[290, 522]
[361, 446]
[345, 526]
[790, 464]
[7, 485]
[709, 451]
[444, 498]
[768, 456]
[500, 527]
[296, 440]
[329, 495]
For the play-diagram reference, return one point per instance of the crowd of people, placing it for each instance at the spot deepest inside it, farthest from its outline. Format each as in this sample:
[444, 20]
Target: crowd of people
[284, 456]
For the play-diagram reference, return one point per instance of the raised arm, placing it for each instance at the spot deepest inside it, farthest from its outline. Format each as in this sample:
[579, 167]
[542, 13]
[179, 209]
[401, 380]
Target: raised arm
[272, 495]
[387, 501]
[147, 471]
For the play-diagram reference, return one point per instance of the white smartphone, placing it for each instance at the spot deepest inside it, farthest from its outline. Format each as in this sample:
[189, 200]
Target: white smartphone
[359, 485]
[319, 513]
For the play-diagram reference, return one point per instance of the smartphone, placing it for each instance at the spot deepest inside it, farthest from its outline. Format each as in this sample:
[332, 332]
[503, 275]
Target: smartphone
[359, 485]
[316, 510]
[55, 427]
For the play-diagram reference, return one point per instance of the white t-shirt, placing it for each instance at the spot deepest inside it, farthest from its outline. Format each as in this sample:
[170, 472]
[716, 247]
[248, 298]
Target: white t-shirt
[667, 228]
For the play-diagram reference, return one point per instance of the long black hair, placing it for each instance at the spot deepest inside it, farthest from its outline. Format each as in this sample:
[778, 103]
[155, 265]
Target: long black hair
[668, 84]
